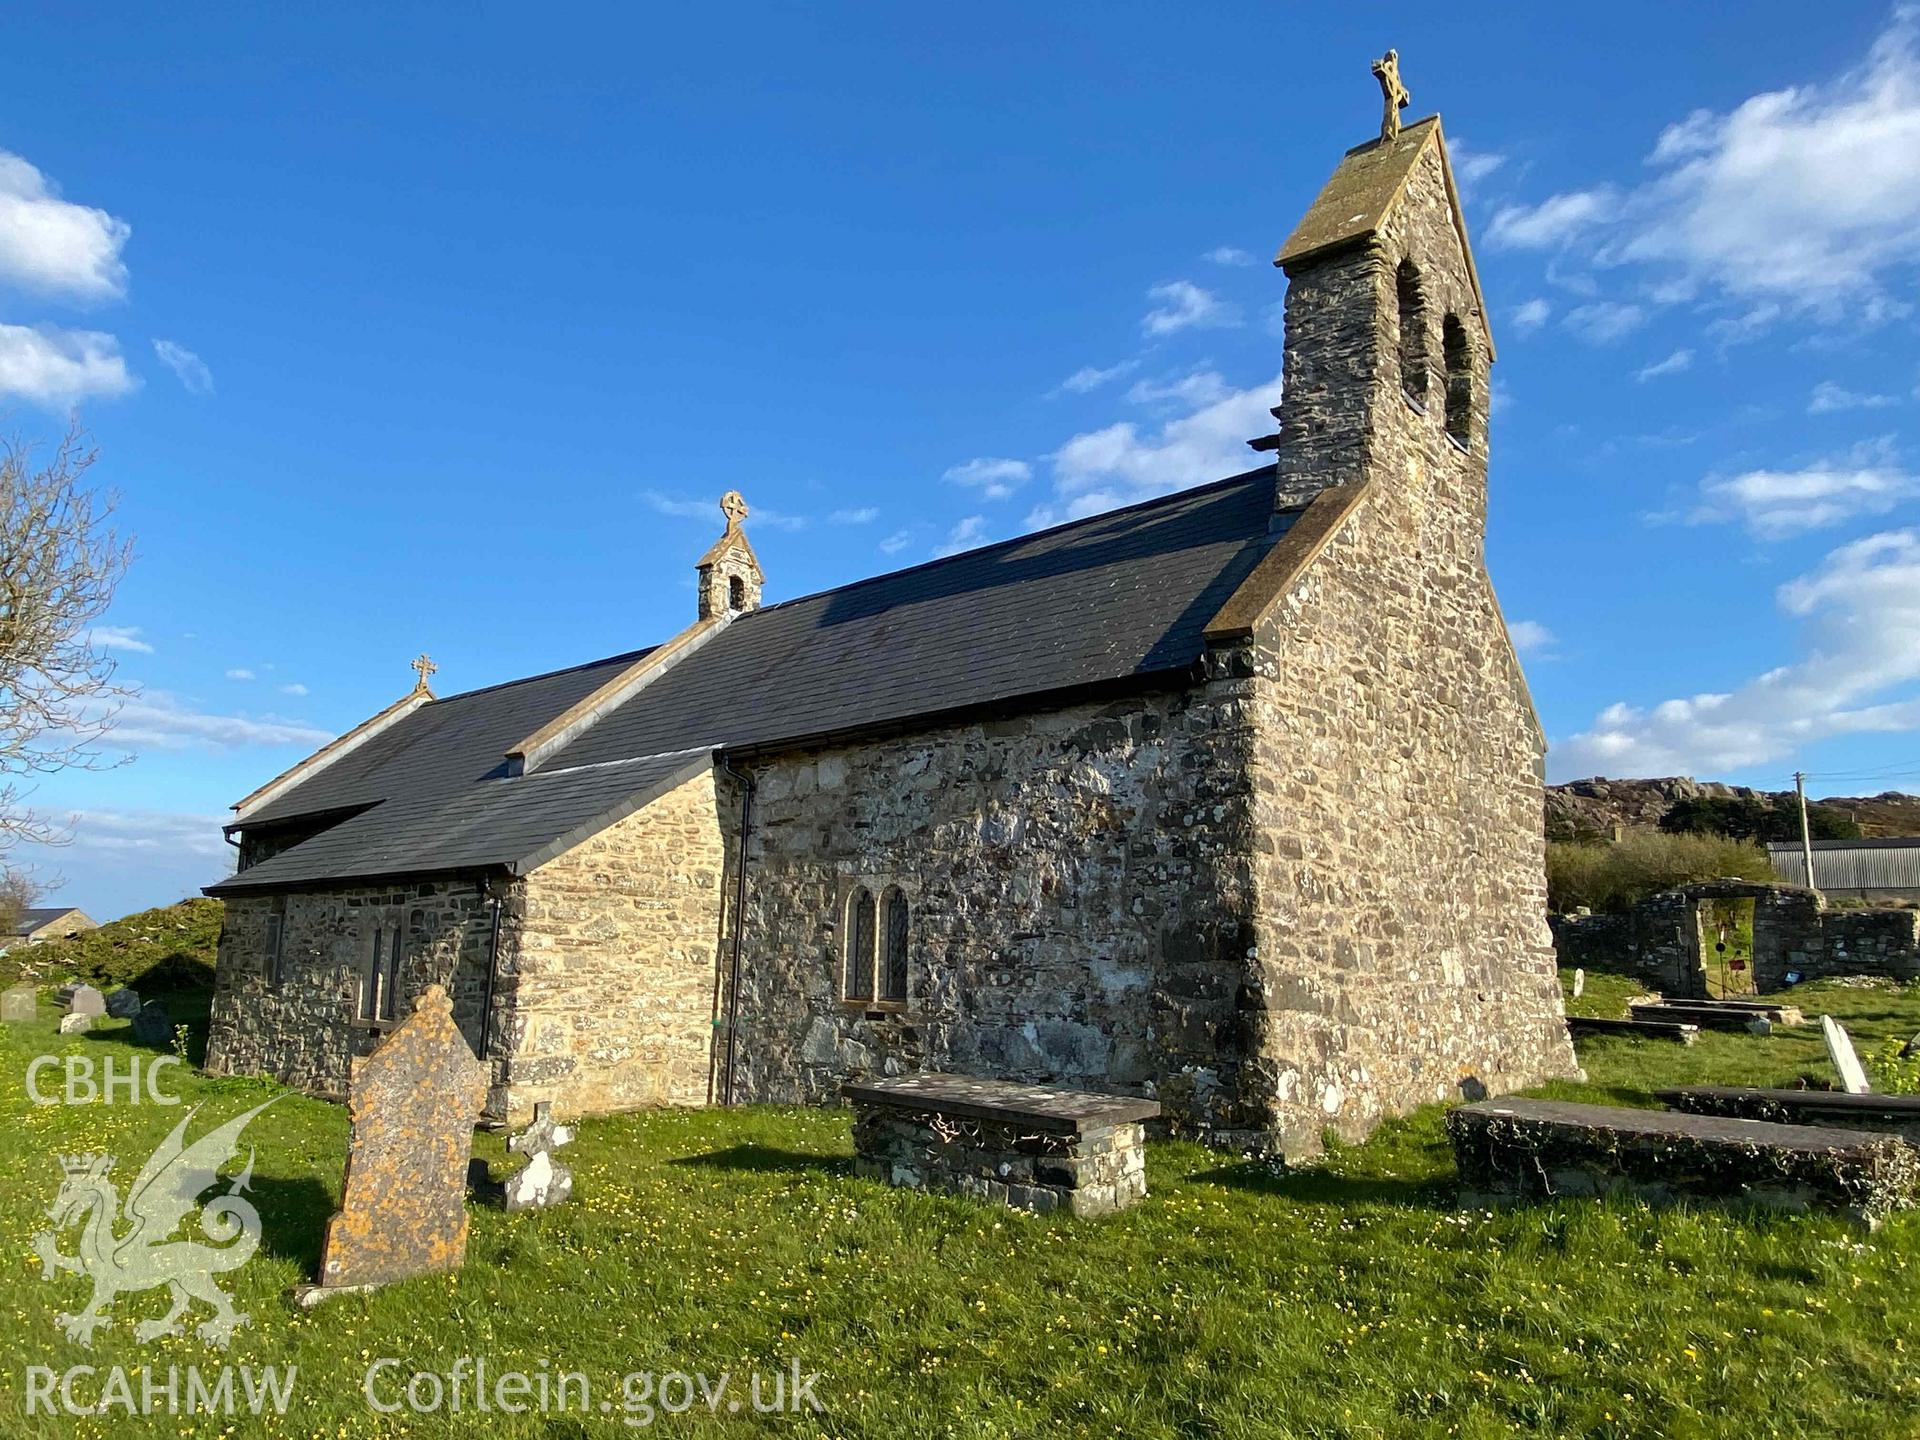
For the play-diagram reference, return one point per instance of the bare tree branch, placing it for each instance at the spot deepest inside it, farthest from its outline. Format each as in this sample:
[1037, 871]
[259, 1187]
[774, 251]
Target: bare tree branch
[60, 562]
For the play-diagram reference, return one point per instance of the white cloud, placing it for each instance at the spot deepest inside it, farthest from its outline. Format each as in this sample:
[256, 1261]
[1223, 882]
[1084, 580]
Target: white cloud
[52, 245]
[1773, 504]
[156, 720]
[863, 515]
[684, 509]
[1102, 469]
[1088, 377]
[1530, 315]
[240, 673]
[119, 637]
[995, 478]
[679, 509]
[1604, 321]
[1183, 305]
[1472, 165]
[188, 368]
[1858, 612]
[1229, 255]
[294, 688]
[1555, 222]
[1530, 637]
[144, 835]
[965, 535]
[1191, 391]
[55, 368]
[896, 542]
[1676, 362]
[1828, 397]
[1807, 197]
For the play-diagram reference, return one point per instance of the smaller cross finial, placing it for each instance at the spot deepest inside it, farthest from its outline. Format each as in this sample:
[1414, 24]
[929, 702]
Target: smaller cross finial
[423, 667]
[733, 505]
[1394, 94]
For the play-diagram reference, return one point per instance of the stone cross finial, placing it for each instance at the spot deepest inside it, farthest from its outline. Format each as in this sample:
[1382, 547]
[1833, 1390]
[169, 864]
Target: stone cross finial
[733, 505]
[1387, 71]
[423, 667]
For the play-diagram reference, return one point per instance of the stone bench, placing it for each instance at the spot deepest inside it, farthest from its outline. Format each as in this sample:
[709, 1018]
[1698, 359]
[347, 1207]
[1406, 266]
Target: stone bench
[1030, 1147]
[1645, 1029]
[1892, 1114]
[1519, 1150]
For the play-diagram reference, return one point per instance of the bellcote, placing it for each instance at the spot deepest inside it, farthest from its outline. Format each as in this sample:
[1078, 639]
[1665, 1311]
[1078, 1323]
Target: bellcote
[730, 577]
[1386, 327]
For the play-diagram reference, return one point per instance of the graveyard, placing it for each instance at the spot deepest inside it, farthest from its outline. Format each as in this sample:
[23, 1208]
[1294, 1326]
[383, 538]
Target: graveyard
[1350, 1297]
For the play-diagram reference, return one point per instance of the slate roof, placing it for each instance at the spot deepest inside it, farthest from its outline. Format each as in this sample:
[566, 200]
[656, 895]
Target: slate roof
[35, 916]
[512, 823]
[1116, 599]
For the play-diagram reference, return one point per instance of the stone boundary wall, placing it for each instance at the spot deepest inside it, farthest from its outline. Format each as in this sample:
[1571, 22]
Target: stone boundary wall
[1658, 940]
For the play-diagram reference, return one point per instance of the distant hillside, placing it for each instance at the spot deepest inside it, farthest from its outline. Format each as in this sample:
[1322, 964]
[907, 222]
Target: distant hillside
[169, 948]
[1589, 809]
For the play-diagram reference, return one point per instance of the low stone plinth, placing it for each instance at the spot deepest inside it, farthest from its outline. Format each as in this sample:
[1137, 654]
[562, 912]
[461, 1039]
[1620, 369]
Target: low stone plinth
[1520, 1150]
[1890, 1114]
[1715, 1016]
[1777, 1013]
[1030, 1147]
[1646, 1029]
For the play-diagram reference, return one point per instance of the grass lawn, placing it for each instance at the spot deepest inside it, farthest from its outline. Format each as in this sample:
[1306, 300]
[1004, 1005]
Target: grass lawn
[1348, 1300]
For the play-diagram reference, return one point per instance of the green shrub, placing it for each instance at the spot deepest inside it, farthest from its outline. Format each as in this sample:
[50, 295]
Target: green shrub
[1755, 817]
[1642, 863]
[168, 948]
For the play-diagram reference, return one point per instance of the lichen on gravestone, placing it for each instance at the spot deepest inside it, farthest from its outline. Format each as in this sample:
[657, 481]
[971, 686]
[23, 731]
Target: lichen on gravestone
[413, 1103]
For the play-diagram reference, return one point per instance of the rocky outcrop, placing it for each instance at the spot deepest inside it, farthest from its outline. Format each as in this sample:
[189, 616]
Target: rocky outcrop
[1592, 809]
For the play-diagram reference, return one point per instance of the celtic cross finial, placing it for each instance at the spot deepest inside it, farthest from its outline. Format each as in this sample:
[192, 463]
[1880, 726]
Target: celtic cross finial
[423, 667]
[733, 505]
[1394, 94]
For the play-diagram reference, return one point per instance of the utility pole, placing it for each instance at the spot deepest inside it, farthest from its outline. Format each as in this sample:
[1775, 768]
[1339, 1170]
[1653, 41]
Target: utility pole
[1806, 833]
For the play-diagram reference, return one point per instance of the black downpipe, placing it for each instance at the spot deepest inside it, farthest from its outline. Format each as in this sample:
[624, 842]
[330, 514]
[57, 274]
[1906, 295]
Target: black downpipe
[493, 965]
[739, 927]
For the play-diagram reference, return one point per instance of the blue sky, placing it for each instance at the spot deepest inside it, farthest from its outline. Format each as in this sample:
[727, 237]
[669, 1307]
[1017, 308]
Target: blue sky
[443, 329]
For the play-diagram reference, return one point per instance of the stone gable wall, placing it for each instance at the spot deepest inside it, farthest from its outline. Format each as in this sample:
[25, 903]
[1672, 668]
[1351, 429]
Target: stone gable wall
[606, 994]
[1402, 929]
[1079, 912]
[305, 1031]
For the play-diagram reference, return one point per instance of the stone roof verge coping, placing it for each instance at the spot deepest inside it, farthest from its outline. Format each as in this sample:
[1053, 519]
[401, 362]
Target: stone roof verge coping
[334, 749]
[581, 715]
[1285, 563]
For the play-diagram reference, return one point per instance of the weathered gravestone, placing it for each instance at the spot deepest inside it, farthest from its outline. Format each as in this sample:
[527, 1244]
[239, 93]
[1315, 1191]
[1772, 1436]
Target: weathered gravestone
[1579, 983]
[542, 1181]
[75, 1024]
[17, 1003]
[413, 1102]
[153, 1025]
[124, 1003]
[79, 999]
[1853, 1078]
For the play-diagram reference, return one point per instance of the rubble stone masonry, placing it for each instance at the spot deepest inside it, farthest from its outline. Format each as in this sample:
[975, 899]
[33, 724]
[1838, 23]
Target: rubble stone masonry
[605, 1001]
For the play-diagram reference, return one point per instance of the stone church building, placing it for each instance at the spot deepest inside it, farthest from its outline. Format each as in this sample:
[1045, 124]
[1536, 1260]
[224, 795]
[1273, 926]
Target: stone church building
[1231, 798]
